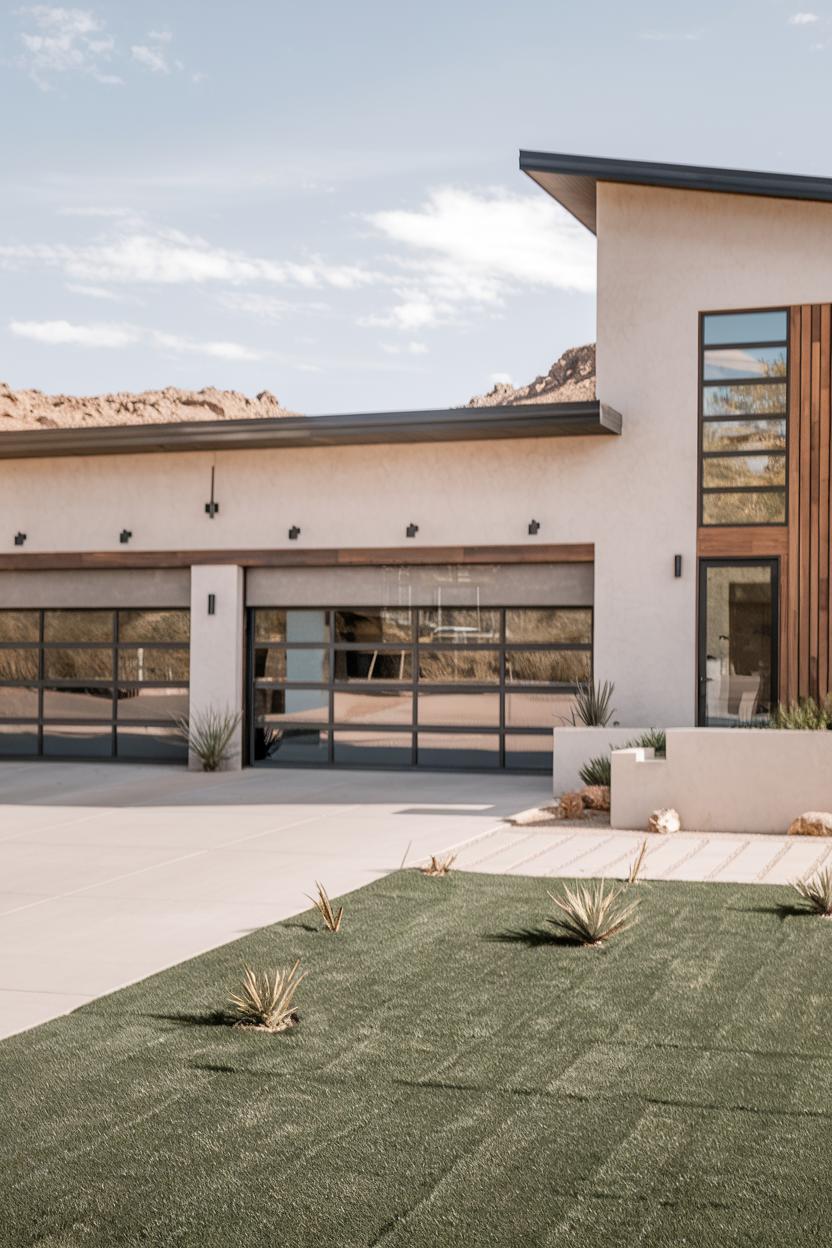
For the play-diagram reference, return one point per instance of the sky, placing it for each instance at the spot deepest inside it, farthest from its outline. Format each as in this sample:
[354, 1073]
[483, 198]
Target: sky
[323, 199]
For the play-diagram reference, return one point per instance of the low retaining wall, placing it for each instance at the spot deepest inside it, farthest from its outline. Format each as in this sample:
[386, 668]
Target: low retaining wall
[575, 746]
[725, 779]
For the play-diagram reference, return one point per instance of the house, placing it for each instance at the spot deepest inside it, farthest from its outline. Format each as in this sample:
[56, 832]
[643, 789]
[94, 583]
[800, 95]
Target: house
[426, 587]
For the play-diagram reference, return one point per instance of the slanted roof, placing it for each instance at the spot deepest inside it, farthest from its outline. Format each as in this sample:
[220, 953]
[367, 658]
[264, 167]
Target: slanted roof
[572, 180]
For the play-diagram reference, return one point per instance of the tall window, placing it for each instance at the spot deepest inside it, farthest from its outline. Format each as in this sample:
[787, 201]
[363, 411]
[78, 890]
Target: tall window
[744, 410]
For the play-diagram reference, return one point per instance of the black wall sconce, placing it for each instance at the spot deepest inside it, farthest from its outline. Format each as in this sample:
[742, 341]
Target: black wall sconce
[124, 536]
[534, 528]
[212, 604]
[19, 539]
[212, 507]
[294, 533]
[412, 529]
[677, 565]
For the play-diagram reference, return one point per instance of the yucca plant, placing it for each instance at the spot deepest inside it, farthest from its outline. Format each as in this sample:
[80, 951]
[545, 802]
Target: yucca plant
[209, 735]
[266, 999]
[805, 715]
[593, 704]
[332, 920]
[637, 863]
[597, 771]
[816, 891]
[439, 866]
[654, 739]
[593, 912]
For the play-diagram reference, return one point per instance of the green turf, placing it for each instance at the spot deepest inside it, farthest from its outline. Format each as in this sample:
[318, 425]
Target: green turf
[454, 1081]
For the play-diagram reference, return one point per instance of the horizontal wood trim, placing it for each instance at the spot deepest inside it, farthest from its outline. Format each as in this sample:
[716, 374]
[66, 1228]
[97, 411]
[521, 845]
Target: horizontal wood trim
[300, 558]
[743, 542]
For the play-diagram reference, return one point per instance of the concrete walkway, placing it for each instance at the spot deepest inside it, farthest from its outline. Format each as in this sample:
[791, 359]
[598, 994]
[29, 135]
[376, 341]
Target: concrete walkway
[108, 874]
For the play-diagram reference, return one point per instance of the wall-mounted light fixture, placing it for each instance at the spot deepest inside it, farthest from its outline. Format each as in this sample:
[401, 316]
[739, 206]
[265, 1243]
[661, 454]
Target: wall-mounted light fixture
[212, 604]
[677, 565]
[124, 536]
[534, 528]
[212, 506]
[412, 529]
[294, 533]
[19, 539]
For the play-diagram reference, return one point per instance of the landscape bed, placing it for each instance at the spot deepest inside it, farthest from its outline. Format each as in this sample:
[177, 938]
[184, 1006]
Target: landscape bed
[457, 1078]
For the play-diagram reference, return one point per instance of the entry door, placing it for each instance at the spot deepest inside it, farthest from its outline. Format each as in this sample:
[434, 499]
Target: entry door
[738, 613]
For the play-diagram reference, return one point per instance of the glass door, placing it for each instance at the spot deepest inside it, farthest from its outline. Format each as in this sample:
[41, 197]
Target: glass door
[738, 678]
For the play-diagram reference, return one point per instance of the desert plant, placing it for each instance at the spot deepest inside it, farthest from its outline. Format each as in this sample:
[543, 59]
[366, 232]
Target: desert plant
[637, 863]
[593, 704]
[332, 920]
[654, 739]
[265, 1000]
[816, 891]
[597, 771]
[805, 715]
[593, 912]
[439, 866]
[209, 734]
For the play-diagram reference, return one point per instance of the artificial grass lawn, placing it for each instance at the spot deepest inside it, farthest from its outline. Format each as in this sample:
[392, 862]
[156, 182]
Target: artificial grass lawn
[454, 1080]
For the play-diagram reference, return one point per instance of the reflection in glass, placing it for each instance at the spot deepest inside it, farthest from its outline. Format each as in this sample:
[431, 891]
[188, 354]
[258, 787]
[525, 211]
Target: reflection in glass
[373, 749]
[549, 624]
[78, 664]
[151, 743]
[458, 625]
[739, 644]
[149, 626]
[458, 708]
[762, 400]
[78, 626]
[381, 665]
[753, 508]
[374, 624]
[18, 665]
[18, 739]
[448, 666]
[278, 624]
[744, 470]
[458, 749]
[290, 744]
[389, 706]
[145, 663]
[78, 741]
[745, 327]
[19, 626]
[537, 709]
[69, 703]
[18, 702]
[744, 435]
[273, 705]
[153, 703]
[529, 753]
[733, 363]
[552, 667]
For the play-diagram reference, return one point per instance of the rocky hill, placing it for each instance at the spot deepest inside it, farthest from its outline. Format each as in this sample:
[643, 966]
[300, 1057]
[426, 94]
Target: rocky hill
[571, 379]
[32, 409]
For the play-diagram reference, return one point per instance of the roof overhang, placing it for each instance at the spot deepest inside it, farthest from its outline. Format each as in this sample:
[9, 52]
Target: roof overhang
[539, 420]
[573, 180]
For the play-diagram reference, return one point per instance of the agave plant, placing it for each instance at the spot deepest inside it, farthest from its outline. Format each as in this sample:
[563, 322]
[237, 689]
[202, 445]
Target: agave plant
[654, 739]
[265, 1000]
[593, 704]
[209, 735]
[816, 891]
[593, 912]
[637, 863]
[439, 866]
[597, 771]
[331, 917]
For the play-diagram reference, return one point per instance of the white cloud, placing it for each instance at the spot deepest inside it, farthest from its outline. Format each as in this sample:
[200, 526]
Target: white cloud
[269, 307]
[150, 58]
[160, 36]
[65, 41]
[501, 379]
[63, 333]
[94, 292]
[466, 250]
[406, 348]
[803, 19]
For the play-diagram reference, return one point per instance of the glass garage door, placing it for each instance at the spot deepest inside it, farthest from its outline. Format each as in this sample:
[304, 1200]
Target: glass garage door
[93, 683]
[456, 687]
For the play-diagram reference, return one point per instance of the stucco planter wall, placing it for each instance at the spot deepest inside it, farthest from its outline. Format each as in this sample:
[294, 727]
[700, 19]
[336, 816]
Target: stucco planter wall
[574, 746]
[725, 779]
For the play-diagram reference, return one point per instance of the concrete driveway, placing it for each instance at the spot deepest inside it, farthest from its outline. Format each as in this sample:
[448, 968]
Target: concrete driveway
[108, 874]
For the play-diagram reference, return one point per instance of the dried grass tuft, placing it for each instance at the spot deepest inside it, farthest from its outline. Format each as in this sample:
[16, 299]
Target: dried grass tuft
[593, 912]
[816, 891]
[331, 917]
[265, 1001]
[439, 866]
[637, 863]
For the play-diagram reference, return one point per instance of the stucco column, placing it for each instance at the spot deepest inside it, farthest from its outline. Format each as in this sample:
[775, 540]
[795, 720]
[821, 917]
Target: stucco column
[217, 642]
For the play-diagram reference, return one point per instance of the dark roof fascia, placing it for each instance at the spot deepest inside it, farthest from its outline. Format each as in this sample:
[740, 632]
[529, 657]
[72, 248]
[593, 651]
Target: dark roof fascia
[572, 180]
[540, 420]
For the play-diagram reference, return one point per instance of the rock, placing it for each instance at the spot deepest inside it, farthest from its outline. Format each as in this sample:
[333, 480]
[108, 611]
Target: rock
[571, 806]
[596, 796]
[664, 821]
[812, 823]
[571, 379]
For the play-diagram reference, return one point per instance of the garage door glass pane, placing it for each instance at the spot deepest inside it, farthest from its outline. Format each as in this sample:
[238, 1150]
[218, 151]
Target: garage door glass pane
[78, 741]
[458, 626]
[291, 744]
[388, 707]
[18, 740]
[295, 626]
[78, 626]
[148, 626]
[78, 664]
[374, 624]
[373, 749]
[550, 625]
[154, 703]
[449, 666]
[18, 665]
[475, 709]
[458, 750]
[529, 753]
[381, 665]
[144, 663]
[548, 667]
[18, 702]
[19, 626]
[72, 703]
[274, 705]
